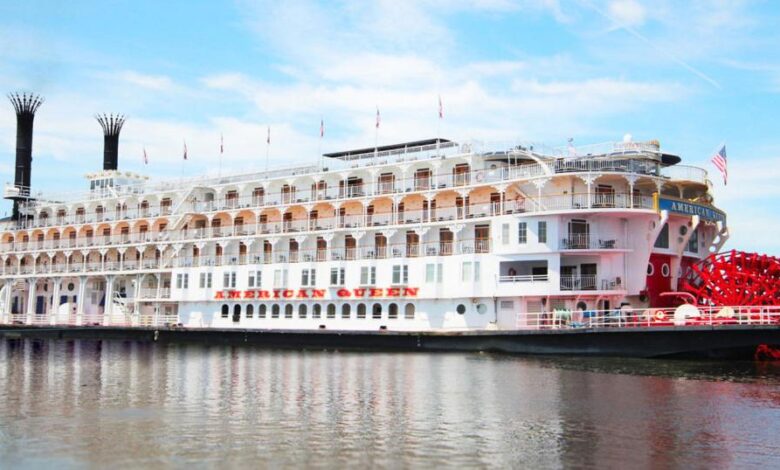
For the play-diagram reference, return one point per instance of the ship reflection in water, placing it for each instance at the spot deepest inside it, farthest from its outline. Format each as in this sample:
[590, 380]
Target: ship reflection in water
[76, 403]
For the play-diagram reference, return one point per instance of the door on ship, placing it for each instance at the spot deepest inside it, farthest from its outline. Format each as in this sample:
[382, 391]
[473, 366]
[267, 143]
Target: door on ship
[236, 313]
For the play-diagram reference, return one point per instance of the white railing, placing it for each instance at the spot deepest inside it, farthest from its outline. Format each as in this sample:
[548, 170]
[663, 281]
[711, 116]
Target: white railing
[556, 164]
[687, 316]
[524, 278]
[584, 241]
[686, 173]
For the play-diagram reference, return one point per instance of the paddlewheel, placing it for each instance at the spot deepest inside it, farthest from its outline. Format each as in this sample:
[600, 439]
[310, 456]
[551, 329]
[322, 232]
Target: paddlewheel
[734, 278]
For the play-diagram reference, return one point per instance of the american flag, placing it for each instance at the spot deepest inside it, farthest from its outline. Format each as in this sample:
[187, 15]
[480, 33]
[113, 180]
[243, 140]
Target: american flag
[441, 109]
[378, 118]
[720, 162]
[185, 149]
[268, 139]
[322, 128]
[221, 144]
[146, 158]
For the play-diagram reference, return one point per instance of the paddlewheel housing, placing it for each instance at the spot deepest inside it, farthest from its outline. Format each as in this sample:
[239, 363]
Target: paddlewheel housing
[734, 278]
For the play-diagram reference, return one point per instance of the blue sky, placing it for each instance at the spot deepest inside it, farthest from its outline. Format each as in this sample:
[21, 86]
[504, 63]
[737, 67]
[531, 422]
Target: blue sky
[691, 74]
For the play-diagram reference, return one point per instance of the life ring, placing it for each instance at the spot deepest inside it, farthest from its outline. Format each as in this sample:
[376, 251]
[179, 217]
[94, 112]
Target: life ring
[659, 316]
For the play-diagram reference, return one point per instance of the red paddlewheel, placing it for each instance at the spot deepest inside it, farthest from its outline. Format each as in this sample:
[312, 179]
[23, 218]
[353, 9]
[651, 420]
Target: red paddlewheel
[734, 278]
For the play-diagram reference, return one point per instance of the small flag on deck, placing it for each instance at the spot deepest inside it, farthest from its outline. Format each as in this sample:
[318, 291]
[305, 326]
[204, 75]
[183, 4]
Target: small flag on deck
[378, 117]
[146, 158]
[268, 139]
[221, 144]
[185, 149]
[322, 128]
[441, 109]
[720, 162]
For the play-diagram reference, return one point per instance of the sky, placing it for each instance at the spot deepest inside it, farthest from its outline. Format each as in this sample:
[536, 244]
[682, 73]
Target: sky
[691, 74]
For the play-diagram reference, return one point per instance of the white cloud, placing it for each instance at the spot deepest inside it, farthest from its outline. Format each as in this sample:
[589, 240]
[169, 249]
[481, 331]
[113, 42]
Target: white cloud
[152, 82]
[627, 12]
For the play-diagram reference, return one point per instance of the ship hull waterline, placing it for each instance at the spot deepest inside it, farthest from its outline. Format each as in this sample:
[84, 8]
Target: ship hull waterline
[721, 342]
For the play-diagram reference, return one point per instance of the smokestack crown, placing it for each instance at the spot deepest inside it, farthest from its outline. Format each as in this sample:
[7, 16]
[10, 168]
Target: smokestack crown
[24, 103]
[111, 124]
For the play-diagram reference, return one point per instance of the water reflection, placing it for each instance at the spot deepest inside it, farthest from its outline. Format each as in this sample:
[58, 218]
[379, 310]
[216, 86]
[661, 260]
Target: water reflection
[70, 403]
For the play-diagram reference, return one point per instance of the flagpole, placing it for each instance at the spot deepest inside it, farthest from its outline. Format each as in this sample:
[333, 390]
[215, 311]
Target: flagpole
[221, 149]
[319, 149]
[267, 150]
[376, 137]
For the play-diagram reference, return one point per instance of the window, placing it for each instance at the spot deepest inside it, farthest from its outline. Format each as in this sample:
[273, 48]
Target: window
[280, 278]
[361, 311]
[368, 275]
[430, 273]
[275, 311]
[465, 271]
[255, 279]
[376, 312]
[541, 231]
[225, 311]
[481, 309]
[316, 312]
[392, 311]
[693, 242]
[504, 234]
[182, 281]
[288, 311]
[522, 232]
[236, 312]
[345, 311]
[663, 237]
[331, 311]
[250, 311]
[476, 271]
[409, 311]
[229, 280]
[261, 311]
[308, 277]
[337, 276]
[400, 274]
[302, 311]
[461, 309]
[205, 280]
[439, 272]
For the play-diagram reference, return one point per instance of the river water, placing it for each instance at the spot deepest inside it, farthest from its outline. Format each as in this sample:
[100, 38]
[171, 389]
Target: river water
[66, 404]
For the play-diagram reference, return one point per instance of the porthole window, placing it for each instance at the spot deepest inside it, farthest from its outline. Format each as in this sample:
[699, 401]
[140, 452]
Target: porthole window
[665, 270]
[650, 269]
[71, 286]
[302, 311]
[461, 309]
[481, 309]
[683, 230]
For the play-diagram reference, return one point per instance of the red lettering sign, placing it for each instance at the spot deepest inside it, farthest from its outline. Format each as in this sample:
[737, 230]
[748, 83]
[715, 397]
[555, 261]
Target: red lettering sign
[249, 294]
[411, 291]
[219, 295]
[343, 293]
[318, 293]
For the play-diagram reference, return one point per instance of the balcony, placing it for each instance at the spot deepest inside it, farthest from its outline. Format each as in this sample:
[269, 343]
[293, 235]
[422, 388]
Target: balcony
[589, 282]
[581, 241]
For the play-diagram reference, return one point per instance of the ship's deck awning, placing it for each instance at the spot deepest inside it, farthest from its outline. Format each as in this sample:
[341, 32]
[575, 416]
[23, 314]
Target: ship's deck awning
[370, 151]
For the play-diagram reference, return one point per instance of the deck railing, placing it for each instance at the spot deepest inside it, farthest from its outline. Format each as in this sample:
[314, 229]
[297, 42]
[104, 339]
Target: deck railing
[650, 317]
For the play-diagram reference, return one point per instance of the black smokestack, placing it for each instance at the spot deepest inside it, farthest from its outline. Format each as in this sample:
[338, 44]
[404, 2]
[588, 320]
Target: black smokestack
[111, 125]
[25, 105]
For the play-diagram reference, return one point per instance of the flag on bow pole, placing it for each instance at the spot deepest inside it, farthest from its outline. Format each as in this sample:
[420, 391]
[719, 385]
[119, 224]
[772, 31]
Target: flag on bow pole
[146, 158]
[720, 162]
[185, 149]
